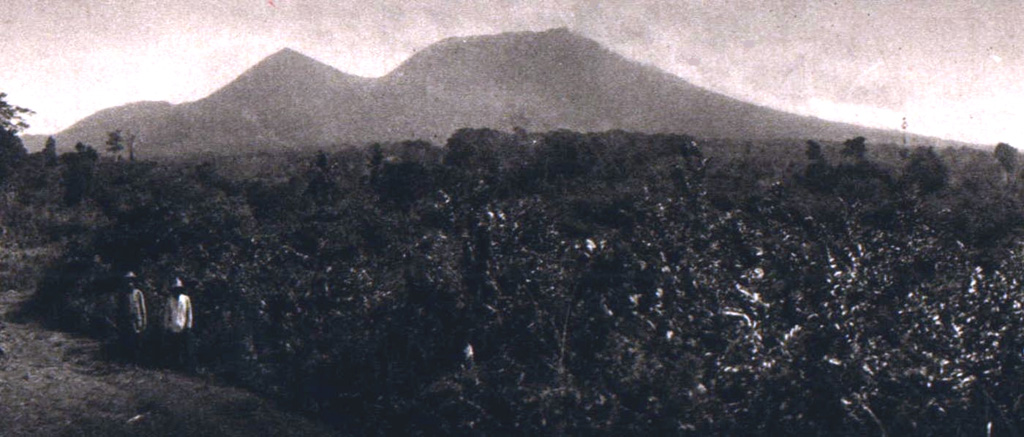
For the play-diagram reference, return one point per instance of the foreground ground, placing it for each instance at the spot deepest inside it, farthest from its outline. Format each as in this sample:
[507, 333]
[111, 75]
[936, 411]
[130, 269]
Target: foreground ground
[58, 384]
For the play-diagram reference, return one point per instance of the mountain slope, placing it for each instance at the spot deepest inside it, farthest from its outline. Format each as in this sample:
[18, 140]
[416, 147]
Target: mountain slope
[536, 80]
[287, 99]
[138, 117]
[279, 102]
[557, 79]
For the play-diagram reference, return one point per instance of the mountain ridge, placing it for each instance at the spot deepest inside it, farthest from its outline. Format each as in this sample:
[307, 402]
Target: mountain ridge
[553, 79]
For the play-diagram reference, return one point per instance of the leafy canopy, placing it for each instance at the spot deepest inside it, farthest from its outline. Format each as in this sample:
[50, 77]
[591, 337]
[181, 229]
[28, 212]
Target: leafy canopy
[12, 118]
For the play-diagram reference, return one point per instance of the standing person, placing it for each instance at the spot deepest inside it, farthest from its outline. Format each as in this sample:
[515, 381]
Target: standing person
[3, 352]
[178, 325]
[132, 317]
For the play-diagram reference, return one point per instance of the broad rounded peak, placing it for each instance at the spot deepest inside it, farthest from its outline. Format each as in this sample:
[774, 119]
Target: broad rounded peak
[560, 32]
[557, 33]
[519, 48]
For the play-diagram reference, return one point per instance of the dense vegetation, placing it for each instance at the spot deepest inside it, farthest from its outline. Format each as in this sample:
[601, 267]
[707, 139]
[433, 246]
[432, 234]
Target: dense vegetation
[567, 283]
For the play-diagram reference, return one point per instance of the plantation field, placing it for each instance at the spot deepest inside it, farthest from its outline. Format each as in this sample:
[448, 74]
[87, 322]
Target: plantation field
[562, 283]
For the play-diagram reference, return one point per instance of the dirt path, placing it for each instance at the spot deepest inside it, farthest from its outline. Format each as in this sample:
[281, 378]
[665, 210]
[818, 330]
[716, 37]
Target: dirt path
[54, 383]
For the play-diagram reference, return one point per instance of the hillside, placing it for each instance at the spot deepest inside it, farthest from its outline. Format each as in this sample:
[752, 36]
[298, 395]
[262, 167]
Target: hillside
[148, 117]
[557, 79]
[535, 80]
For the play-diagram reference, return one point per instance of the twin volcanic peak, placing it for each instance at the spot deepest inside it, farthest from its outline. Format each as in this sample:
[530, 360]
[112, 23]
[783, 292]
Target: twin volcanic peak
[534, 80]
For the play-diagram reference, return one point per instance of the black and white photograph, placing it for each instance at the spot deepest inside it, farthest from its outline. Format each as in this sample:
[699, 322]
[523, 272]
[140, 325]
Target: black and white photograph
[511, 217]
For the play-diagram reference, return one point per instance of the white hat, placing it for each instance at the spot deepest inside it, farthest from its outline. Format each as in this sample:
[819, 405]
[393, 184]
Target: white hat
[177, 283]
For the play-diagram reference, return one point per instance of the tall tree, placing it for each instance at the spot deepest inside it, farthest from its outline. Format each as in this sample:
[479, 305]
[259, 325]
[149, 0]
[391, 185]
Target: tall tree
[1007, 157]
[813, 151]
[818, 173]
[926, 171]
[50, 152]
[78, 173]
[12, 118]
[115, 142]
[855, 147]
[129, 142]
[12, 121]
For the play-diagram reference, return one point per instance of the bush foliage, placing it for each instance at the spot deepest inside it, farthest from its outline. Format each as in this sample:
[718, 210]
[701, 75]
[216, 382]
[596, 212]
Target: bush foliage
[567, 283]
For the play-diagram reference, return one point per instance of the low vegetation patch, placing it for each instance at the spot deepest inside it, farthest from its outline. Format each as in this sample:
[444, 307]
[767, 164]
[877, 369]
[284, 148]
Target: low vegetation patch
[566, 283]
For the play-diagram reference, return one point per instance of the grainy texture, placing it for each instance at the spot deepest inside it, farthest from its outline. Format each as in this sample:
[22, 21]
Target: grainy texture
[58, 384]
[951, 66]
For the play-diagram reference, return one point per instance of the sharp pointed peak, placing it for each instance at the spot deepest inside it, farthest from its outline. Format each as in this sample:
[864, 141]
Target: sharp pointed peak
[289, 53]
[289, 58]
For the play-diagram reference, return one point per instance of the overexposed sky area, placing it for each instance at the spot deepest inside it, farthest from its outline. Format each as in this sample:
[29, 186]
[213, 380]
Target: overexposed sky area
[955, 69]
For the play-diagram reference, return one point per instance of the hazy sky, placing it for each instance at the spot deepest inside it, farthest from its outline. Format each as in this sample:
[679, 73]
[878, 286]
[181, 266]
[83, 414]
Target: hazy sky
[953, 68]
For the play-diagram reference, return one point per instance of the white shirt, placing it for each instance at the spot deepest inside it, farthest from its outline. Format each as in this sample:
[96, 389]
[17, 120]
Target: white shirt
[179, 313]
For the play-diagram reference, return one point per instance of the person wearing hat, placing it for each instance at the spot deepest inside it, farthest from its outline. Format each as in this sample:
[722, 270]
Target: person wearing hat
[178, 324]
[132, 316]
